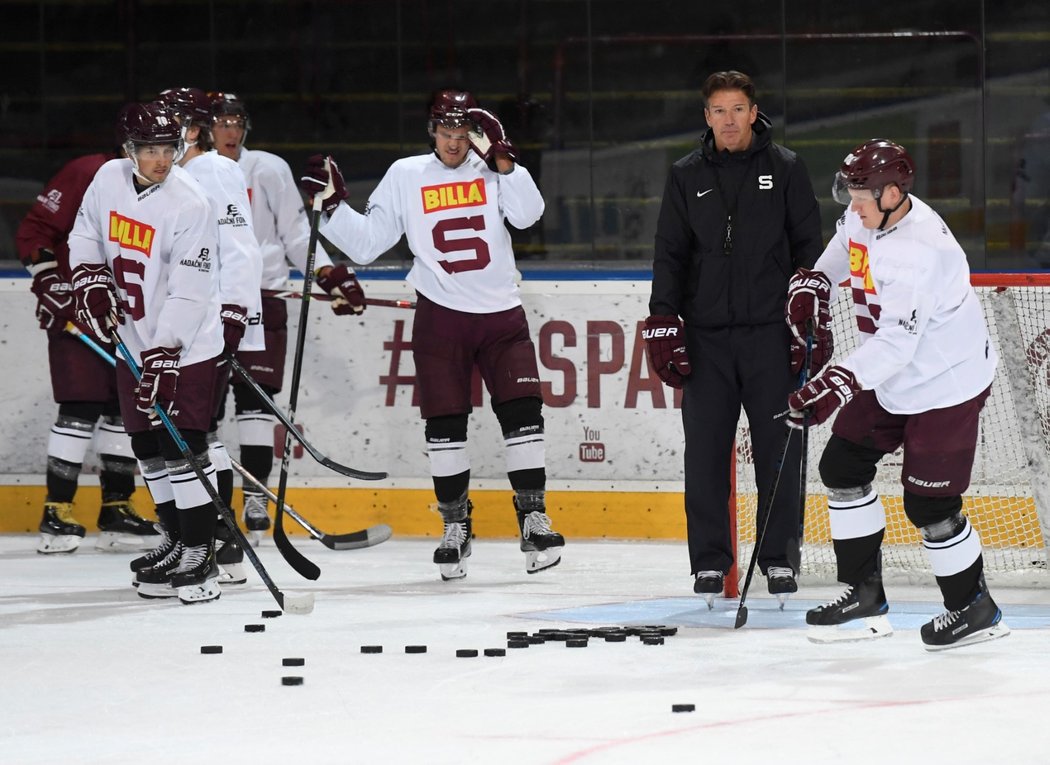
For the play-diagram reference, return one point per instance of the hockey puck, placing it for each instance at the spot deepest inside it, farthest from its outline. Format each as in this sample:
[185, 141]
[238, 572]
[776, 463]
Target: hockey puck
[535, 640]
[291, 680]
[668, 631]
[576, 643]
[255, 628]
[271, 614]
[211, 649]
[496, 651]
[466, 653]
[293, 662]
[415, 649]
[515, 634]
[371, 649]
[683, 707]
[616, 637]
[652, 640]
[518, 644]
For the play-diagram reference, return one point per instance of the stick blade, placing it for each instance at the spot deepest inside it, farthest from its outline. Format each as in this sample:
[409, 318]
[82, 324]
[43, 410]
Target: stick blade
[349, 472]
[357, 540]
[741, 617]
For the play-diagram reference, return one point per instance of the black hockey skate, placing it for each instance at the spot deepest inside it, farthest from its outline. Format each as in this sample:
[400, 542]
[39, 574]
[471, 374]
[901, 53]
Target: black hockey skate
[196, 579]
[857, 614]
[154, 555]
[980, 621]
[780, 580]
[256, 518]
[454, 549]
[230, 556]
[541, 544]
[709, 585]
[154, 582]
[59, 530]
[121, 529]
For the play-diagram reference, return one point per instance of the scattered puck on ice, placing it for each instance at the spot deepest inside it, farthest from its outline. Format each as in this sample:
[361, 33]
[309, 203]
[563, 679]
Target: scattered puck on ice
[517, 634]
[255, 628]
[466, 653]
[668, 631]
[291, 680]
[653, 640]
[211, 649]
[576, 643]
[271, 614]
[496, 651]
[415, 649]
[616, 637]
[293, 662]
[371, 649]
[683, 707]
[535, 640]
[518, 644]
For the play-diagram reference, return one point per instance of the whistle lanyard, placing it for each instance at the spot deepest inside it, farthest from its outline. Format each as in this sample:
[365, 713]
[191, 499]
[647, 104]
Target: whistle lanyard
[730, 205]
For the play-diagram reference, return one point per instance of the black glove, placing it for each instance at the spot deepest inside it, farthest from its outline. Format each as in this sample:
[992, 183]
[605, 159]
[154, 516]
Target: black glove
[315, 181]
[54, 295]
[341, 283]
[665, 343]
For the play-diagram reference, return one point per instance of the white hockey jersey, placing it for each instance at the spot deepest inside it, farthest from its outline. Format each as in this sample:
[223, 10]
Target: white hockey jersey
[923, 340]
[454, 221]
[240, 258]
[281, 224]
[160, 245]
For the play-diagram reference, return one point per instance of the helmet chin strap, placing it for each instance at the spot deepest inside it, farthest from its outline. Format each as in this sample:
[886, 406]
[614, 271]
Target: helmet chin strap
[887, 213]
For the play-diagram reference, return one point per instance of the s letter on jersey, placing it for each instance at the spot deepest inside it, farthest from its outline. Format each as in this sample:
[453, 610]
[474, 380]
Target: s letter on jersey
[130, 234]
[447, 196]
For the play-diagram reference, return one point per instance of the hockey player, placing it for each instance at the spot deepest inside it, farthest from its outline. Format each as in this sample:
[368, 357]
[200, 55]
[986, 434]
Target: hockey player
[240, 273]
[451, 204]
[142, 254]
[83, 385]
[283, 232]
[918, 378]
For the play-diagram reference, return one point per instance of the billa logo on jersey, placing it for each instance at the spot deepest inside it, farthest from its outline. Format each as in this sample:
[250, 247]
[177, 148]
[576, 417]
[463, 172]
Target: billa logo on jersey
[450, 195]
[858, 266]
[130, 233]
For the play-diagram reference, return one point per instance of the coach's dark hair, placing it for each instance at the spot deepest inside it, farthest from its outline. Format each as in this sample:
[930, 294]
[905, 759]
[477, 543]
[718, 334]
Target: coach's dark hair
[731, 80]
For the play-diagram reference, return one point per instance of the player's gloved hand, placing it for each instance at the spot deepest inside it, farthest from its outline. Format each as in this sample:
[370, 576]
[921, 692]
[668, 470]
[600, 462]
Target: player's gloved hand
[160, 377]
[821, 397]
[809, 299]
[488, 138]
[665, 344]
[315, 178]
[96, 300]
[234, 322]
[341, 283]
[54, 295]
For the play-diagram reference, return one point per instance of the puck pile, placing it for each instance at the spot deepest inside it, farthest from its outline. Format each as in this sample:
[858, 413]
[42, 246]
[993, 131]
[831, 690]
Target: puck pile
[649, 634]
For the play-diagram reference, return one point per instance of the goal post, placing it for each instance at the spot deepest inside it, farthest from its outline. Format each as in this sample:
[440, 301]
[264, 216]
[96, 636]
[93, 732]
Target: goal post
[1008, 501]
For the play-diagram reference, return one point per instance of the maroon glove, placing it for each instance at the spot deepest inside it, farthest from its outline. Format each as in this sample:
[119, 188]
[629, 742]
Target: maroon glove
[234, 322]
[665, 343]
[315, 181]
[820, 398]
[489, 139]
[96, 300]
[54, 295]
[341, 283]
[809, 299]
[160, 377]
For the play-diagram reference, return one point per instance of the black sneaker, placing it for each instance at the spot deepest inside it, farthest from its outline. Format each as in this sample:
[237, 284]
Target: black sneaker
[196, 579]
[121, 529]
[980, 621]
[857, 614]
[59, 530]
[709, 584]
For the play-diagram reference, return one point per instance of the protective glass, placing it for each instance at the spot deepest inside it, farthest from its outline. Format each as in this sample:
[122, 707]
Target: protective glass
[840, 190]
[230, 123]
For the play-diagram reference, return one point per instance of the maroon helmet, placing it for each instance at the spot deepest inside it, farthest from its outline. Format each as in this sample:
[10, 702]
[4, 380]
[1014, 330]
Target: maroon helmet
[147, 124]
[872, 166]
[449, 108]
[191, 104]
[229, 105]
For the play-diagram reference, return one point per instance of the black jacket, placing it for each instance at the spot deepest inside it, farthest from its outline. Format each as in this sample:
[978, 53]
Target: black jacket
[776, 229]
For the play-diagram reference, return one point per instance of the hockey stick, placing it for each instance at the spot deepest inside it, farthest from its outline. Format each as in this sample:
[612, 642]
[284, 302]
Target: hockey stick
[354, 540]
[302, 603]
[293, 295]
[804, 460]
[741, 612]
[269, 403]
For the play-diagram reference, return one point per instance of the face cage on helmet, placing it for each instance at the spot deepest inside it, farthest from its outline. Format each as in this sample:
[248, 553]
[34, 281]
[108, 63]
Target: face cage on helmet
[130, 146]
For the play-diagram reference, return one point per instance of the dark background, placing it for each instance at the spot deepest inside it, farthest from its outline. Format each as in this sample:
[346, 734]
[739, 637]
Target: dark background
[600, 95]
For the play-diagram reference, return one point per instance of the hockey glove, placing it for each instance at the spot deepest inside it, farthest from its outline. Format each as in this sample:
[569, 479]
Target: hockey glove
[96, 300]
[665, 344]
[341, 283]
[234, 322]
[54, 295]
[315, 181]
[809, 298]
[488, 138]
[160, 377]
[820, 398]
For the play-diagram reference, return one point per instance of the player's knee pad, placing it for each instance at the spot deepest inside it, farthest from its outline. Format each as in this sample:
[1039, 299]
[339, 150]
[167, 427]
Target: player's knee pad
[952, 544]
[924, 511]
[855, 512]
[845, 464]
[520, 414]
[196, 441]
[154, 471]
[69, 439]
[521, 421]
[255, 427]
[246, 400]
[447, 445]
[89, 411]
[111, 439]
[145, 445]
